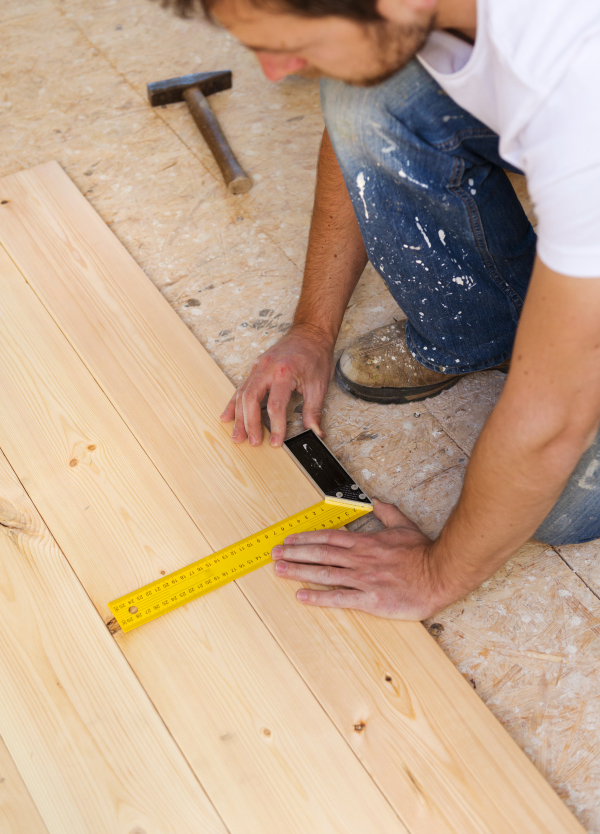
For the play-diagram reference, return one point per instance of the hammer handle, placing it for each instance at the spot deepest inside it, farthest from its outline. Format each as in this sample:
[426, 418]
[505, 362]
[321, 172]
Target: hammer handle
[236, 180]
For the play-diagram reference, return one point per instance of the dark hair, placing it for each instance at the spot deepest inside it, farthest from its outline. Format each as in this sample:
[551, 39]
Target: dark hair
[361, 10]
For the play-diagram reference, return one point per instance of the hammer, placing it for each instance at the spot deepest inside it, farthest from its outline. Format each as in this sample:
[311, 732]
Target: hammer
[193, 89]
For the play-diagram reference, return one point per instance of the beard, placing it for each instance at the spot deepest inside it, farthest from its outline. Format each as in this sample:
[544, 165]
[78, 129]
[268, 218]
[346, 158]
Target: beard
[396, 45]
[392, 46]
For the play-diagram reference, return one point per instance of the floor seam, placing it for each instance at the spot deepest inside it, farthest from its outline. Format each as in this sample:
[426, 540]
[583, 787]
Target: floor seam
[157, 115]
[572, 569]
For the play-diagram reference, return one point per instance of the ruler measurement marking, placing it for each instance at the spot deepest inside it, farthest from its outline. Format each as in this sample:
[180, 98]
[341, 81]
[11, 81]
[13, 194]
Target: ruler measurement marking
[230, 563]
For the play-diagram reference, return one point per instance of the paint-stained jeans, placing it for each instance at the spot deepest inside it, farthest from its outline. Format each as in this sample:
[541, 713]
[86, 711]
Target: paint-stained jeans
[445, 230]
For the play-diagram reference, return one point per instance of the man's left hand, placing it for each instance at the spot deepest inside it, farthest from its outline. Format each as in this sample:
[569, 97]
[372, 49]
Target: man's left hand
[389, 574]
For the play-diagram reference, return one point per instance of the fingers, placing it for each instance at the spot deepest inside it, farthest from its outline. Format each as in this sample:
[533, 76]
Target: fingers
[229, 413]
[314, 554]
[246, 406]
[339, 598]
[238, 434]
[316, 574]
[312, 411]
[249, 402]
[279, 397]
[334, 538]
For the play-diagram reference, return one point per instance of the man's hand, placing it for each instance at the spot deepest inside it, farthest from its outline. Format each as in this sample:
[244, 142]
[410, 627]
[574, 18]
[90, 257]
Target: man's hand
[389, 573]
[302, 361]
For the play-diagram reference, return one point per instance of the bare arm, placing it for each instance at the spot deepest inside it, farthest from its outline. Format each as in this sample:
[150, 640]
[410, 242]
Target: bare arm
[336, 255]
[303, 359]
[546, 417]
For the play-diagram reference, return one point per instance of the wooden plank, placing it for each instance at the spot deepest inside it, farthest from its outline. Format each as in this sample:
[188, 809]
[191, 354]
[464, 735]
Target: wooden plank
[130, 335]
[232, 700]
[71, 710]
[17, 809]
[459, 774]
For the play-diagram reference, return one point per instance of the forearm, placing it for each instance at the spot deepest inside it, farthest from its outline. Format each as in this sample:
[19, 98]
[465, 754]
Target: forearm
[513, 481]
[545, 419]
[336, 255]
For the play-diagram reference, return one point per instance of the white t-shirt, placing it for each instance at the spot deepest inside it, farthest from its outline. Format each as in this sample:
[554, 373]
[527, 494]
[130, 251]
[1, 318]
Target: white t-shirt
[533, 76]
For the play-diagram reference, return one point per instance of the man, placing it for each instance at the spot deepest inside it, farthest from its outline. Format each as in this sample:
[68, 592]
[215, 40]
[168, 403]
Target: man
[420, 125]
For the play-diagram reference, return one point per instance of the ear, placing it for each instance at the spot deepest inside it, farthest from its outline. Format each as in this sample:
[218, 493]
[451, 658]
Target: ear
[400, 11]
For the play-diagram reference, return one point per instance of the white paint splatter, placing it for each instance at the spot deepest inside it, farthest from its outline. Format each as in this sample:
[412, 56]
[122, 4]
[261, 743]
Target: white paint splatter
[464, 281]
[366, 474]
[471, 182]
[405, 176]
[422, 230]
[391, 146]
[442, 236]
[361, 182]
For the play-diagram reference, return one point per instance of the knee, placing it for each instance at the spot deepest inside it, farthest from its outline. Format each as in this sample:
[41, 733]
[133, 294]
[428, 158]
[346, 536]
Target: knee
[372, 120]
[346, 110]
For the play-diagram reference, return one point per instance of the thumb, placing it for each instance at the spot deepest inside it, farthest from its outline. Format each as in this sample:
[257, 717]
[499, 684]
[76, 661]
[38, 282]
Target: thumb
[390, 515]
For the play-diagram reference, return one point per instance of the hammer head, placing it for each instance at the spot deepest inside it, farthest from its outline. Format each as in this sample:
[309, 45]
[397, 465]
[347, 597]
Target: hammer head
[172, 90]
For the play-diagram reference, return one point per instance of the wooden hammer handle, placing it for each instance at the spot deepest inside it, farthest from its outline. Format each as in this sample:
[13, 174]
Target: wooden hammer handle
[236, 180]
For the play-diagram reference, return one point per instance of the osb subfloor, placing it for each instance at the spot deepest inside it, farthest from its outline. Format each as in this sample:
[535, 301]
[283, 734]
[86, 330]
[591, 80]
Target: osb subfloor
[73, 89]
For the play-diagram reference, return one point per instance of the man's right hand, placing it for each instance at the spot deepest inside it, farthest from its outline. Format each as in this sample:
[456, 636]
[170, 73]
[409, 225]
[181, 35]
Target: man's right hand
[301, 361]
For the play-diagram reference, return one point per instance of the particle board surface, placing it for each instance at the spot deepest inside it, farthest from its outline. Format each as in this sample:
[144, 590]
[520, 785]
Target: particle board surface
[101, 361]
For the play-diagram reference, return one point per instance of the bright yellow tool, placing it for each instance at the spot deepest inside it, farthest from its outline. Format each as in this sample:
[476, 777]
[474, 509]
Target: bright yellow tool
[182, 586]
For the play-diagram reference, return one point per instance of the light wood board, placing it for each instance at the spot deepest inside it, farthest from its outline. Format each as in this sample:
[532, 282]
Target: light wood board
[230, 697]
[330, 720]
[17, 809]
[77, 722]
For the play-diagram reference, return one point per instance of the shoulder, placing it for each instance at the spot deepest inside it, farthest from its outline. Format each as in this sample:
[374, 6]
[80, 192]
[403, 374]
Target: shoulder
[538, 39]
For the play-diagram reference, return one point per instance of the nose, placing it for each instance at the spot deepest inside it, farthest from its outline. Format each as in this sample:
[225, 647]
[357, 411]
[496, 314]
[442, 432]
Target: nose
[276, 67]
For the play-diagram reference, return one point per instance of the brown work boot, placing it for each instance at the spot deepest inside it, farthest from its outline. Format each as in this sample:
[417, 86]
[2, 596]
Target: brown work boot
[379, 368]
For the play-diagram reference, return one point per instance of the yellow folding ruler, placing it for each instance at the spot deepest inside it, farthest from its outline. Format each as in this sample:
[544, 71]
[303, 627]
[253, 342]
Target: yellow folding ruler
[343, 502]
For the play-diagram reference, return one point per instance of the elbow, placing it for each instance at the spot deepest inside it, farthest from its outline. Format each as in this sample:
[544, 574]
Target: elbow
[560, 433]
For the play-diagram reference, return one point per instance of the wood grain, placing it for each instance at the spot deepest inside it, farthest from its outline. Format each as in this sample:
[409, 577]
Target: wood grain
[17, 809]
[78, 725]
[230, 697]
[440, 757]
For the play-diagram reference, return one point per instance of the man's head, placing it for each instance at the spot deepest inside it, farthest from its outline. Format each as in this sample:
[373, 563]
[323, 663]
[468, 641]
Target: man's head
[359, 41]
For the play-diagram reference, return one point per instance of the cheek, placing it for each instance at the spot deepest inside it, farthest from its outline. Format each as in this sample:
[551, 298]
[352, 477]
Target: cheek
[344, 56]
[276, 67]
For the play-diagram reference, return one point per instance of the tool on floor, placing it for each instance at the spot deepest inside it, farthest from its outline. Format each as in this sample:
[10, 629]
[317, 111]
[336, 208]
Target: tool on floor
[343, 502]
[194, 89]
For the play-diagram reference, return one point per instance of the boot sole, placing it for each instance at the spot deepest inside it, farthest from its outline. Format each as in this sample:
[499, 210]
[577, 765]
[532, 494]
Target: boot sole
[398, 396]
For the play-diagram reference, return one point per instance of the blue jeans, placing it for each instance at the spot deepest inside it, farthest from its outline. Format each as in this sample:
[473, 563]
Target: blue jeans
[445, 230]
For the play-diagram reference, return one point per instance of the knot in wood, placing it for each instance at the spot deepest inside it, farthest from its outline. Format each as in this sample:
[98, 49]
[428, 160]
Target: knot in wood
[12, 518]
[360, 727]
